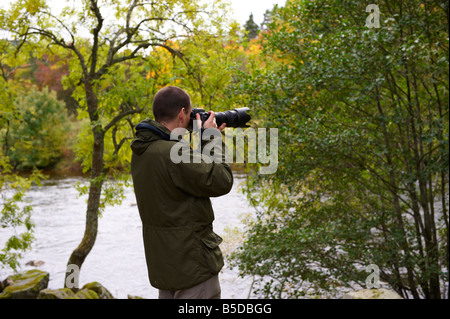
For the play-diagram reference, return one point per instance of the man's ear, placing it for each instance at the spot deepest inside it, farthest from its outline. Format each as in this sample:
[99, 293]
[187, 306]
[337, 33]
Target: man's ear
[181, 113]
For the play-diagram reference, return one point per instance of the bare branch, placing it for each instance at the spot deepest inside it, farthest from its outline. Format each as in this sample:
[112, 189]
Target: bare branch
[133, 55]
[130, 10]
[131, 32]
[96, 31]
[120, 116]
[49, 35]
[117, 147]
[62, 24]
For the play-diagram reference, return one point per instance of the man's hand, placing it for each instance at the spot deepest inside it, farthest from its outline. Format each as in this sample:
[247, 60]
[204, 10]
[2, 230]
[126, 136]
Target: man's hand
[210, 122]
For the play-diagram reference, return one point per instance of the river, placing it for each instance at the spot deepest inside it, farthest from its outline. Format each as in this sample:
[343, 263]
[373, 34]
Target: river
[117, 260]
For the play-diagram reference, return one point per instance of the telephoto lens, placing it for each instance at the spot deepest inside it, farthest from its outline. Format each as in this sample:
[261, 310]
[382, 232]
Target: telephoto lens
[234, 118]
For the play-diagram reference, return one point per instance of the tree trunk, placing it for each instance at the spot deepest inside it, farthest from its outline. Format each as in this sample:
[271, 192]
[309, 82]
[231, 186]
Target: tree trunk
[90, 234]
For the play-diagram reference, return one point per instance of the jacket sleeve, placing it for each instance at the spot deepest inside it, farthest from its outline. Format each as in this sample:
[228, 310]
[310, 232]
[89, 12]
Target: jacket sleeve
[202, 178]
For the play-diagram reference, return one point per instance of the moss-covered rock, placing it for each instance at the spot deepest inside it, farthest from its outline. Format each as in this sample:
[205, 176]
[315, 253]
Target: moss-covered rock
[372, 294]
[33, 285]
[64, 293]
[93, 290]
[26, 285]
[101, 291]
[5, 283]
[86, 294]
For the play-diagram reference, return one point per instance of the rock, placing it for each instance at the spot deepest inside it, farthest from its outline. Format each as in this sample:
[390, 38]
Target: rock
[86, 294]
[5, 283]
[101, 291]
[66, 293]
[35, 263]
[26, 285]
[33, 285]
[372, 294]
[92, 290]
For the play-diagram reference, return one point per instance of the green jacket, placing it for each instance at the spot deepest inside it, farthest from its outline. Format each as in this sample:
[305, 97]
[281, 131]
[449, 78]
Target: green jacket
[181, 248]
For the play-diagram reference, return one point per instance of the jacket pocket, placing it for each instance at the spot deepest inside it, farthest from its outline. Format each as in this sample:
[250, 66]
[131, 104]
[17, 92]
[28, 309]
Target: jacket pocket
[211, 251]
[211, 240]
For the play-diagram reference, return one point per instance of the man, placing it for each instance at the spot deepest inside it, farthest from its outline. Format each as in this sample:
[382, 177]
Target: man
[182, 251]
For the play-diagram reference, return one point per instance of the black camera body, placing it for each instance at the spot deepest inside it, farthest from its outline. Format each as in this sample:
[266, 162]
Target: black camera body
[234, 118]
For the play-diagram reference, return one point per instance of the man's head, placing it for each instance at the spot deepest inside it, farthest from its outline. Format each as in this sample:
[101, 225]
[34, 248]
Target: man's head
[172, 107]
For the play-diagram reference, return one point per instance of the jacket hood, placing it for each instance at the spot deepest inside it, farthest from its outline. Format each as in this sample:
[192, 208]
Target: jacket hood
[148, 132]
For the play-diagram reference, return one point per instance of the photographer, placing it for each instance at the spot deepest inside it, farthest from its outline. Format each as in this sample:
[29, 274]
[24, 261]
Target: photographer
[182, 251]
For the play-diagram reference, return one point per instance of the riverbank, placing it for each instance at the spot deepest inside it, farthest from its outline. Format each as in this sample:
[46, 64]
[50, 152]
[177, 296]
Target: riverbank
[33, 284]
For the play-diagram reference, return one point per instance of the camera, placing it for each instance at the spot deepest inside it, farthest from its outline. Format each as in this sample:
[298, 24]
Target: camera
[234, 118]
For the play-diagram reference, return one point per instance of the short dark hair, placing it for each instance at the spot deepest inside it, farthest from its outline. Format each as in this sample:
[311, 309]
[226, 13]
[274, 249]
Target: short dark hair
[169, 101]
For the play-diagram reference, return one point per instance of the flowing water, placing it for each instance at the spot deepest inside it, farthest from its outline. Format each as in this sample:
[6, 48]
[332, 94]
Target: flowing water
[117, 260]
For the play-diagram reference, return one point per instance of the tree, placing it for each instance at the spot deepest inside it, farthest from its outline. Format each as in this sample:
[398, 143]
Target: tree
[110, 84]
[210, 64]
[37, 139]
[267, 19]
[251, 27]
[363, 119]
